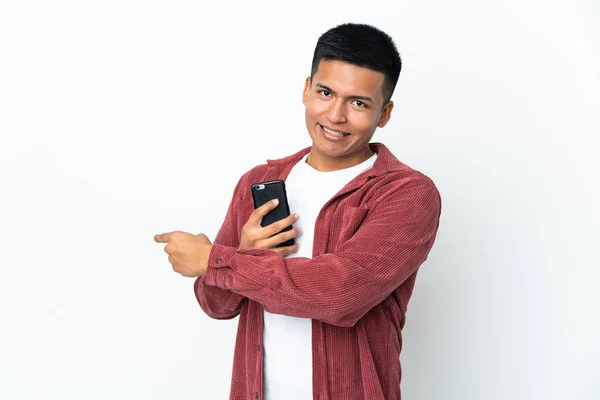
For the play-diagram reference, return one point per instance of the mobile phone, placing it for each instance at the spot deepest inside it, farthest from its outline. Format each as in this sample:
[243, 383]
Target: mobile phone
[262, 192]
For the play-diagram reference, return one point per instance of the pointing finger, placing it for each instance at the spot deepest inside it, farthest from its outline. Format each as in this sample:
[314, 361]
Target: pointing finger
[162, 238]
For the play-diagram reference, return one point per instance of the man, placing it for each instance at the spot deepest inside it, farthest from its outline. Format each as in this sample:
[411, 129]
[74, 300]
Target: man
[322, 319]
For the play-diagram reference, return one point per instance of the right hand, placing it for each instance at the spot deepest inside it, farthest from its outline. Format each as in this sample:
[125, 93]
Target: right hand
[254, 236]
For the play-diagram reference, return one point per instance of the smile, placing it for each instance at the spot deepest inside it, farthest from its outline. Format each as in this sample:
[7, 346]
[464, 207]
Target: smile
[334, 133]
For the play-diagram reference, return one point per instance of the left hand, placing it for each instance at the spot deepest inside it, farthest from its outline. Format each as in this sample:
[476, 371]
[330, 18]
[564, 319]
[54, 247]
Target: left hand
[188, 253]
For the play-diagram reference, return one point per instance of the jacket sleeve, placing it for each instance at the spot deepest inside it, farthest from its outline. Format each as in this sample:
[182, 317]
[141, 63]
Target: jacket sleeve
[222, 303]
[338, 288]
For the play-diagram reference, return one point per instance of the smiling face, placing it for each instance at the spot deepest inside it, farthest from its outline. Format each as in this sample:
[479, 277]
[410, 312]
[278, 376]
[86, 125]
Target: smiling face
[344, 105]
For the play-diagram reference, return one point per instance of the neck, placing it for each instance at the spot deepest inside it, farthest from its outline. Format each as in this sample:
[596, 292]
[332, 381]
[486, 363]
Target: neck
[324, 163]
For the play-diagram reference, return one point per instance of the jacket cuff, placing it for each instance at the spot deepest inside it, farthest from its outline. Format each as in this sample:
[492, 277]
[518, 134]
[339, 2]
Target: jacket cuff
[218, 265]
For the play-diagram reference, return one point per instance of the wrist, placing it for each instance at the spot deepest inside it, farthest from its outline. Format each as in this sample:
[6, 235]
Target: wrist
[206, 256]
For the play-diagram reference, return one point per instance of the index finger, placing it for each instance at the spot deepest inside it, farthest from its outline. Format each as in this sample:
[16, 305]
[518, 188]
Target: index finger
[162, 238]
[258, 214]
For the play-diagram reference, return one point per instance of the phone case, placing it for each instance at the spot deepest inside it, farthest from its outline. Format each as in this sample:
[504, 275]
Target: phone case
[263, 192]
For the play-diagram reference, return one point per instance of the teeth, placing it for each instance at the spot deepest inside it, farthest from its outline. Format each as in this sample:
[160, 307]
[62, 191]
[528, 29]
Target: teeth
[334, 133]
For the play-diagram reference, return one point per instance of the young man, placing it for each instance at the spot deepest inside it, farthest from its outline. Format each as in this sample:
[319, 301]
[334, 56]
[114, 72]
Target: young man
[322, 319]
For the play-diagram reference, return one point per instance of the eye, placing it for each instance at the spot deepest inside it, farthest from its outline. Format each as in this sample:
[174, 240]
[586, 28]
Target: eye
[359, 103]
[325, 93]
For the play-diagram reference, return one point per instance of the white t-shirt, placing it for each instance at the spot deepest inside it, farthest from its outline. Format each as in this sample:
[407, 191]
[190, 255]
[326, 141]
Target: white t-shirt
[287, 341]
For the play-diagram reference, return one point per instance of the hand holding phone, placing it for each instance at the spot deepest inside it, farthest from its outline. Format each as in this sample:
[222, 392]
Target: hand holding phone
[263, 192]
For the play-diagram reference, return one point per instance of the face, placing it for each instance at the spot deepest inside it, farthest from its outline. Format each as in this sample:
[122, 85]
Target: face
[344, 106]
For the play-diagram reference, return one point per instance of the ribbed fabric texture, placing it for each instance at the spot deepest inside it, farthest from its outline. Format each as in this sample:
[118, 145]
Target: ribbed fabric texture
[369, 242]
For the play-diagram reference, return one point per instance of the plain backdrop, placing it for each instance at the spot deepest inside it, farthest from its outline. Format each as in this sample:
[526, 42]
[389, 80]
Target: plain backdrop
[123, 119]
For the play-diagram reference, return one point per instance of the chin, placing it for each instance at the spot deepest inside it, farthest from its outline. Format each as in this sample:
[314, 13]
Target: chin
[330, 152]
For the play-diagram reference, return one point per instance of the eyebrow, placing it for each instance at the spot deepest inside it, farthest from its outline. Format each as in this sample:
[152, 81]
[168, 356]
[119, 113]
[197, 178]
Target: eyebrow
[362, 98]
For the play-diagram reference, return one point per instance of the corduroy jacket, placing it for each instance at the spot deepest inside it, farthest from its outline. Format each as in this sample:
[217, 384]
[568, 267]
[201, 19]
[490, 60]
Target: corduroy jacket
[370, 240]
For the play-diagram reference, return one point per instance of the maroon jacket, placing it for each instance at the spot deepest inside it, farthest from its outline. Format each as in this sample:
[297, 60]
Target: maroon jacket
[370, 240]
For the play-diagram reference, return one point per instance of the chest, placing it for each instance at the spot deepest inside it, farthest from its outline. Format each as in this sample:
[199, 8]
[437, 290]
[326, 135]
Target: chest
[328, 217]
[307, 194]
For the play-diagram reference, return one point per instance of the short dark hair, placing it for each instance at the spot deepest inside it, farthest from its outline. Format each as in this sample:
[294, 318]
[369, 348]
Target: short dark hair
[364, 46]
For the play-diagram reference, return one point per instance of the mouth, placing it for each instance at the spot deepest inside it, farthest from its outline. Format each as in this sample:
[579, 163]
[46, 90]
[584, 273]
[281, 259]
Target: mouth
[333, 133]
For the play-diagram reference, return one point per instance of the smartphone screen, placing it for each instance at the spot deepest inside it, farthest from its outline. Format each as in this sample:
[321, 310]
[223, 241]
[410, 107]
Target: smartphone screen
[262, 192]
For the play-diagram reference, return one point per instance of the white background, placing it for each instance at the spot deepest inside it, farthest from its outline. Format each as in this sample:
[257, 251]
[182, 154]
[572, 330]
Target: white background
[122, 119]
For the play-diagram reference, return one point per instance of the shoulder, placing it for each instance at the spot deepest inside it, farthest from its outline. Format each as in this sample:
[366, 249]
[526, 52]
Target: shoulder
[271, 168]
[409, 177]
[395, 174]
[404, 185]
[254, 175]
[396, 182]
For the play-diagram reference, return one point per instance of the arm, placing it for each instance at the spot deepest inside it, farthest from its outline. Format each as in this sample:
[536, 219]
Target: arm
[392, 242]
[221, 303]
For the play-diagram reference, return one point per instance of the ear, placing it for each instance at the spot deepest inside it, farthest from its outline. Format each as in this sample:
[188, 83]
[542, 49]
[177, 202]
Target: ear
[386, 113]
[306, 91]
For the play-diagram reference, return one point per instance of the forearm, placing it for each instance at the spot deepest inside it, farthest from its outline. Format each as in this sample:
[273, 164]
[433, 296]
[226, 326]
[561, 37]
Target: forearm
[334, 288]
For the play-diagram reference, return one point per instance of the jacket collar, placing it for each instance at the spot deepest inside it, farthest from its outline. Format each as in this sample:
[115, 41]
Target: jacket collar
[386, 161]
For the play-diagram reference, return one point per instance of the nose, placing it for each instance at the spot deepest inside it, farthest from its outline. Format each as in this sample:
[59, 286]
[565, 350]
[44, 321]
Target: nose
[336, 113]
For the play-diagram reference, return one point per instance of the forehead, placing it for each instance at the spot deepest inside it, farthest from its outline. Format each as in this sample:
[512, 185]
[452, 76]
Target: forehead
[350, 80]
